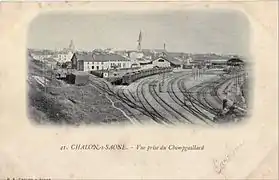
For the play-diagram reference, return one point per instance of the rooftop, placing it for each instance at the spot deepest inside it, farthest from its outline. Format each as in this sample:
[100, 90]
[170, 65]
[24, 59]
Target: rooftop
[79, 73]
[50, 59]
[171, 59]
[40, 53]
[100, 57]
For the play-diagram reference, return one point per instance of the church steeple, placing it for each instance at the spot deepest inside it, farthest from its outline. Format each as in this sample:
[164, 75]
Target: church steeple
[72, 46]
[139, 41]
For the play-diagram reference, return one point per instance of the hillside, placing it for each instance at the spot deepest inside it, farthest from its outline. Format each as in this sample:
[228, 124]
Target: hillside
[53, 101]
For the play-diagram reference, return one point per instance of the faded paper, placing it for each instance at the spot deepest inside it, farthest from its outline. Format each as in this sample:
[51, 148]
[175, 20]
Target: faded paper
[28, 151]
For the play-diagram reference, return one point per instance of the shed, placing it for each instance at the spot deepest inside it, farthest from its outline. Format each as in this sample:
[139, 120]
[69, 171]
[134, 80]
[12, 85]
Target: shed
[219, 61]
[78, 78]
[167, 61]
[235, 62]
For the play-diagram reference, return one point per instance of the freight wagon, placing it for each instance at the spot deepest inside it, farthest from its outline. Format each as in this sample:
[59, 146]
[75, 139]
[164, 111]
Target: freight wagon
[78, 78]
[128, 78]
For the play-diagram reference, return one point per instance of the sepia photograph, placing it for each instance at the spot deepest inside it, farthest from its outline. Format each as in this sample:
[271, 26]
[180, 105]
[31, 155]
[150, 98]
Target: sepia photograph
[139, 90]
[166, 68]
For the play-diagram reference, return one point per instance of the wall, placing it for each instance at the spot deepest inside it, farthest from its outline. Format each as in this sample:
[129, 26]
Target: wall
[80, 65]
[89, 66]
[147, 66]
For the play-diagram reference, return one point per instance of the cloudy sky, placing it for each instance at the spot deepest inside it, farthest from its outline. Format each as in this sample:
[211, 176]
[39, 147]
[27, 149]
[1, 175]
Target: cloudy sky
[189, 31]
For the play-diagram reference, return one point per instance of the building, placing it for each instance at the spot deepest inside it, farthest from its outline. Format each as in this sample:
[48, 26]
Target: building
[165, 60]
[144, 64]
[161, 62]
[66, 54]
[139, 41]
[135, 55]
[40, 55]
[63, 56]
[188, 61]
[99, 61]
[72, 47]
[235, 62]
[50, 62]
[218, 63]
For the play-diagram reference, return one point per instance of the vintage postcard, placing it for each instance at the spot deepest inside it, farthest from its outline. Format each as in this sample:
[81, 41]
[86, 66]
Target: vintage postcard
[168, 68]
[139, 90]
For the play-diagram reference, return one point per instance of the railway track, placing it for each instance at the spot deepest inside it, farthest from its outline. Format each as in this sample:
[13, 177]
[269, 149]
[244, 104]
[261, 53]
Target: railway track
[141, 107]
[121, 99]
[141, 104]
[177, 100]
[203, 91]
[161, 102]
[171, 110]
[151, 107]
[148, 102]
[192, 106]
[211, 88]
[201, 96]
[153, 113]
[202, 99]
[126, 101]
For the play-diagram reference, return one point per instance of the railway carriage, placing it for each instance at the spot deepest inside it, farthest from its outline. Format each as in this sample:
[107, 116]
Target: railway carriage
[126, 79]
[147, 72]
[136, 75]
[133, 76]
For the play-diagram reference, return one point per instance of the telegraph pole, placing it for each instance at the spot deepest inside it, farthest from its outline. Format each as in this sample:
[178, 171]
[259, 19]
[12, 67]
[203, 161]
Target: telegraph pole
[236, 79]
[194, 72]
[163, 78]
[162, 83]
[44, 76]
[51, 71]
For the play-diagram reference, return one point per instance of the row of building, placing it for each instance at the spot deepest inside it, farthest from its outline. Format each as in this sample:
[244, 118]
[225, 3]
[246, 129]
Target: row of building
[107, 61]
[58, 56]
[100, 60]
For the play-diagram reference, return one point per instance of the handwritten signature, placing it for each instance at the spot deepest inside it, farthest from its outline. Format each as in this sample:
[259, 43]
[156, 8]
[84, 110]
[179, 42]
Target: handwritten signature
[220, 165]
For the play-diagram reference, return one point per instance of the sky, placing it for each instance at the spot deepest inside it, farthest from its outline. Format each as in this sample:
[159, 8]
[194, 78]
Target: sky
[192, 31]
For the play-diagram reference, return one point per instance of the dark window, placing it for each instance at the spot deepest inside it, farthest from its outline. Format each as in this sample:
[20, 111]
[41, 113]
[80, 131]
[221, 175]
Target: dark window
[97, 67]
[161, 60]
[92, 67]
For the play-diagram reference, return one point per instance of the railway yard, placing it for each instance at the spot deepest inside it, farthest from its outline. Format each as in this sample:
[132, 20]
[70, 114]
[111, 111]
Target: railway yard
[157, 96]
[169, 85]
[180, 98]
